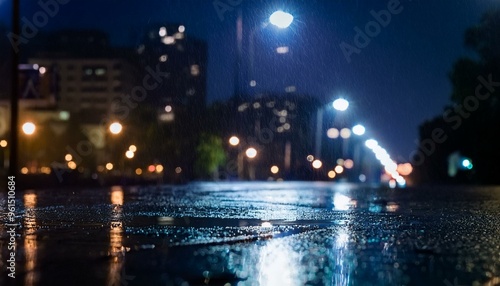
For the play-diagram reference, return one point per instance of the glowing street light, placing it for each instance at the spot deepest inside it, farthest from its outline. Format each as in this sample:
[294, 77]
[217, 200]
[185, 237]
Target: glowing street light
[317, 164]
[251, 153]
[129, 154]
[29, 128]
[132, 148]
[371, 144]
[340, 104]
[234, 141]
[115, 128]
[359, 130]
[275, 169]
[466, 163]
[3, 143]
[281, 19]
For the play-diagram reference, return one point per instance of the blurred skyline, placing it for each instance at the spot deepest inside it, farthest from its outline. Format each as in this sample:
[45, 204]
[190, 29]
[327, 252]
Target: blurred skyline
[399, 80]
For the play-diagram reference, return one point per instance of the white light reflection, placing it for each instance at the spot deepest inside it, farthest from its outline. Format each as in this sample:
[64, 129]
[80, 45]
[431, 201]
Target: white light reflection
[279, 264]
[342, 202]
[116, 249]
[342, 270]
[30, 243]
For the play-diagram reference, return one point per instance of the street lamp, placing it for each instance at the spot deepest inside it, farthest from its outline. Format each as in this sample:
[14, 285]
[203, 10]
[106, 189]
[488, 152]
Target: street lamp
[234, 141]
[339, 104]
[115, 128]
[359, 130]
[251, 153]
[279, 19]
[29, 128]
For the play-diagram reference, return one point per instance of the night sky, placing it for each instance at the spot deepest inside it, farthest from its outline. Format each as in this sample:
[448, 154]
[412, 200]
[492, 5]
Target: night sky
[399, 80]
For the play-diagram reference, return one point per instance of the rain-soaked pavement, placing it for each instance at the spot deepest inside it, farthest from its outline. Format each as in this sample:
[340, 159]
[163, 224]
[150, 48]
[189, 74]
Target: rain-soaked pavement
[254, 234]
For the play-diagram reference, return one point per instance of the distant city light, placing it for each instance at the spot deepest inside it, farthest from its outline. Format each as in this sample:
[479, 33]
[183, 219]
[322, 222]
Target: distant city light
[68, 157]
[345, 133]
[405, 169]
[282, 50]
[151, 168]
[181, 29]
[109, 166]
[281, 19]
[234, 141]
[115, 128]
[195, 70]
[275, 169]
[251, 153]
[266, 224]
[317, 164]
[371, 143]
[71, 165]
[162, 32]
[359, 130]
[64, 115]
[24, 170]
[138, 171]
[392, 184]
[466, 163]
[291, 88]
[333, 133]
[310, 158]
[29, 128]
[340, 162]
[159, 169]
[362, 178]
[341, 104]
[253, 83]
[168, 40]
[168, 108]
[178, 170]
[163, 58]
[349, 164]
[129, 154]
[132, 148]
[332, 174]
[339, 169]
[42, 70]
[3, 143]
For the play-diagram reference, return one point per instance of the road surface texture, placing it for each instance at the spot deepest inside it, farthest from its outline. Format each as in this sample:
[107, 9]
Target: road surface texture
[287, 233]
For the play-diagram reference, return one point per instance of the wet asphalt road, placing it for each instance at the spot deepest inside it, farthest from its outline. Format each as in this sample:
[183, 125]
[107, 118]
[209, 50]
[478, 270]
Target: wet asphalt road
[255, 234]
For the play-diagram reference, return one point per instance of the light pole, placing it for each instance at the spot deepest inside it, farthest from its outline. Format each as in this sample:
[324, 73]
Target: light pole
[115, 129]
[14, 98]
[251, 153]
[234, 141]
[29, 129]
[339, 104]
[279, 19]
